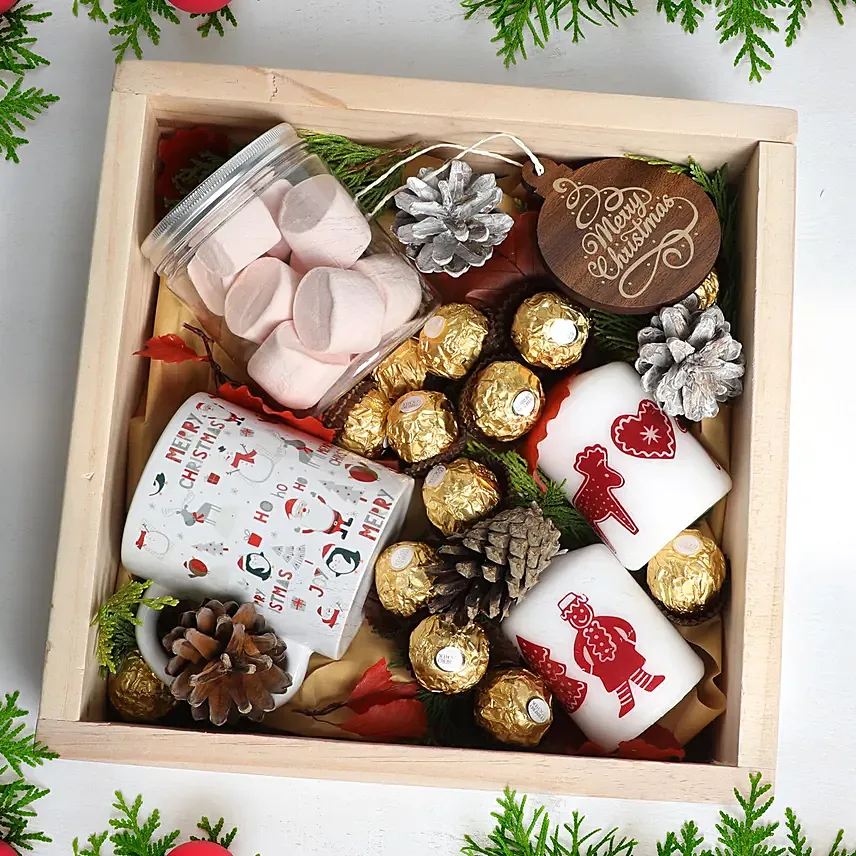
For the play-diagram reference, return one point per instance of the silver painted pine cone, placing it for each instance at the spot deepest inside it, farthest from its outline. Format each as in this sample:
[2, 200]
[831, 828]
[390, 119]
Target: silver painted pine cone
[450, 222]
[689, 362]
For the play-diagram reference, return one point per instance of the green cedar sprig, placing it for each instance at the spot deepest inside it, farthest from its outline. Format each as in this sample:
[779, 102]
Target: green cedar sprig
[215, 21]
[132, 835]
[17, 106]
[19, 749]
[116, 619]
[16, 43]
[357, 165]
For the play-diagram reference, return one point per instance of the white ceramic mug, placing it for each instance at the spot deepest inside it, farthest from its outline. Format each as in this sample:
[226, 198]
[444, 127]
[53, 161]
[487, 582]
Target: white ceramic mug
[609, 655]
[633, 472]
[235, 507]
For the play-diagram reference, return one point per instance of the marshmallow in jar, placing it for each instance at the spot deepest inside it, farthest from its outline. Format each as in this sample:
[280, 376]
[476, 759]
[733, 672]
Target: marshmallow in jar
[636, 475]
[275, 257]
[608, 654]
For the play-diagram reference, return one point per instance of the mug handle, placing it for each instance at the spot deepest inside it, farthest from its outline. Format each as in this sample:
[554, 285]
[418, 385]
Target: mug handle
[153, 653]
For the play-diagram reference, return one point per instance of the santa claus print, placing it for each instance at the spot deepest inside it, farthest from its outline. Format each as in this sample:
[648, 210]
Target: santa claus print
[605, 648]
[214, 408]
[315, 515]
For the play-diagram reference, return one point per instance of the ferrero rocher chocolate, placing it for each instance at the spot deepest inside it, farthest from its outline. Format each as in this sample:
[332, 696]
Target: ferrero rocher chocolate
[504, 400]
[137, 693]
[458, 494]
[548, 331]
[420, 425]
[447, 658]
[402, 579]
[364, 430]
[515, 706]
[687, 574]
[708, 291]
[452, 339]
[402, 371]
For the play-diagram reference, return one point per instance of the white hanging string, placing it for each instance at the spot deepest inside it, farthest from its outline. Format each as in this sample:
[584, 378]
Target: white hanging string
[464, 150]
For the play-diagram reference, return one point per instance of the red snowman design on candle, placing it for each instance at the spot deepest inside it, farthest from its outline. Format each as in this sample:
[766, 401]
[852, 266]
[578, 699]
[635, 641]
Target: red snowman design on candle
[605, 647]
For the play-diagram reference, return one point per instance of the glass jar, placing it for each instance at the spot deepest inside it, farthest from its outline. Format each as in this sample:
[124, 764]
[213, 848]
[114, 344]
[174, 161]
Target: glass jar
[284, 271]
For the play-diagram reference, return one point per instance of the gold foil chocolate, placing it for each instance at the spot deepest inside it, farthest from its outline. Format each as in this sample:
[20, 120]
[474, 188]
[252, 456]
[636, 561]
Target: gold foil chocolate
[515, 706]
[458, 494]
[447, 658]
[402, 371]
[364, 430]
[420, 425]
[688, 573]
[452, 339]
[402, 579]
[548, 331]
[504, 400]
[137, 693]
[708, 291]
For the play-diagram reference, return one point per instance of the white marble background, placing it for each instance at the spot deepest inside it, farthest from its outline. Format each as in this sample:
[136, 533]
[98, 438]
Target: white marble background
[47, 207]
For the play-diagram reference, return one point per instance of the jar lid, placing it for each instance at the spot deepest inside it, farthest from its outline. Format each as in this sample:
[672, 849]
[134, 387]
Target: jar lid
[250, 172]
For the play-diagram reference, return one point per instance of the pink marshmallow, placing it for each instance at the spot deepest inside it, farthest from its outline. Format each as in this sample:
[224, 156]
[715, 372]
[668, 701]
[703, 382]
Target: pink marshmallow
[293, 375]
[209, 286]
[272, 198]
[338, 311]
[245, 236]
[261, 298]
[399, 285]
[323, 224]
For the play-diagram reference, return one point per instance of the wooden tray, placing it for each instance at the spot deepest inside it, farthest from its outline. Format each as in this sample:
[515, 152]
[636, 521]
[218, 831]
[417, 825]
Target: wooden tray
[148, 98]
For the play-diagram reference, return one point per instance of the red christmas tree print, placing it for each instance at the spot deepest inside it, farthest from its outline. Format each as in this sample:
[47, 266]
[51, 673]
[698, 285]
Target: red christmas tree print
[570, 692]
[605, 647]
[594, 499]
[646, 434]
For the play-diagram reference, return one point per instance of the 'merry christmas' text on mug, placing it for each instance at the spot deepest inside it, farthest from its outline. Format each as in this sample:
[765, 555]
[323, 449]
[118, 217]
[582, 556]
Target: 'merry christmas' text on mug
[234, 507]
[633, 472]
[608, 654]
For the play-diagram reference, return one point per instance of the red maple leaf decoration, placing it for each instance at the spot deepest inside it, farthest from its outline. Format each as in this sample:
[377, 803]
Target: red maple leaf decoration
[376, 686]
[515, 259]
[177, 151]
[242, 396]
[170, 349]
[402, 719]
[655, 744]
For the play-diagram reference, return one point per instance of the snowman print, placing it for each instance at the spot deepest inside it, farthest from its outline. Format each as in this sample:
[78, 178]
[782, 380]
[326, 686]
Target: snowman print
[152, 541]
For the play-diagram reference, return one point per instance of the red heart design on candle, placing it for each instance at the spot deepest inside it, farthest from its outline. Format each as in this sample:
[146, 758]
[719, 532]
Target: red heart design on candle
[647, 434]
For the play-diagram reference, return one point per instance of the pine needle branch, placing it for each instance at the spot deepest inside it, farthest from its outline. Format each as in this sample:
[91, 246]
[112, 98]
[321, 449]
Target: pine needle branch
[95, 13]
[116, 619]
[134, 19]
[215, 21]
[16, 106]
[213, 833]
[16, 54]
[17, 749]
[187, 179]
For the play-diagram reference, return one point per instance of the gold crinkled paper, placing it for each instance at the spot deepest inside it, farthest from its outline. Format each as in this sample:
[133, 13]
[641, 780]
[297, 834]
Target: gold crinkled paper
[137, 693]
[364, 430]
[459, 493]
[451, 340]
[403, 584]
[688, 573]
[515, 706]
[464, 651]
[402, 371]
[708, 291]
[548, 331]
[505, 400]
[420, 425]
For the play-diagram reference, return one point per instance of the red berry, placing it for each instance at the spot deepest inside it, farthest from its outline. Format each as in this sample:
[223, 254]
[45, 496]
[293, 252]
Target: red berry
[5, 6]
[199, 848]
[196, 7]
[7, 849]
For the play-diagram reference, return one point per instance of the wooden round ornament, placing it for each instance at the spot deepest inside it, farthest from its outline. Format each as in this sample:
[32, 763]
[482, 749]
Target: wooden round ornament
[622, 235]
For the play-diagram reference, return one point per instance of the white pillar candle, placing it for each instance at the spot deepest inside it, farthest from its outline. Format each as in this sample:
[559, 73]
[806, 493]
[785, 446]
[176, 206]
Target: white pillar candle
[260, 299]
[323, 224]
[611, 658]
[633, 472]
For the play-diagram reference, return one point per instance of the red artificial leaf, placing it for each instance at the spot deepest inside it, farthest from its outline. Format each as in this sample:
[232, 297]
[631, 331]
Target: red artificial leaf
[376, 687]
[170, 349]
[488, 286]
[242, 396]
[404, 718]
[655, 744]
[177, 151]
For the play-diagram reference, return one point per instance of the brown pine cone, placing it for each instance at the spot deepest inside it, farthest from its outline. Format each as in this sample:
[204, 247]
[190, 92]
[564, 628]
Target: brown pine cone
[226, 661]
[494, 564]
